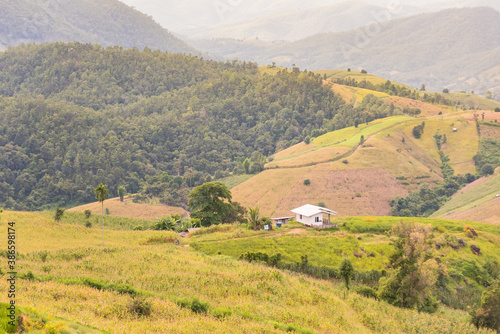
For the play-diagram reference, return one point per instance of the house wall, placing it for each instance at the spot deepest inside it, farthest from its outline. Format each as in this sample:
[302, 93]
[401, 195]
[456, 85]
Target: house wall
[310, 220]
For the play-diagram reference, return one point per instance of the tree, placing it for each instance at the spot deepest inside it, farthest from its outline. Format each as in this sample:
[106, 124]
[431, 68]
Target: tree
[489, 95]
[307, 182]
[58, 214]
[422, 88]
[87, 213]
[364, 71]
[415, 271]
[101, 193]
[489, 313]
[246, 165]
[497, 109]
[253, 218]
[346, 271]
[210, 203]
[417, 131]
[121, 192]
[446, 90]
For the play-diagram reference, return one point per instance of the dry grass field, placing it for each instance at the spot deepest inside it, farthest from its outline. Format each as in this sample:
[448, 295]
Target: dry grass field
[74, 278]
[127, 208]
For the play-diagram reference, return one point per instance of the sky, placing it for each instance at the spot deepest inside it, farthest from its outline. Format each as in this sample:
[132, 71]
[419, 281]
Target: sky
[181, 16]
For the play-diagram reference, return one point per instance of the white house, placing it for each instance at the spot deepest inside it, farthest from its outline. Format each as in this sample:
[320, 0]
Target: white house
[312, 215]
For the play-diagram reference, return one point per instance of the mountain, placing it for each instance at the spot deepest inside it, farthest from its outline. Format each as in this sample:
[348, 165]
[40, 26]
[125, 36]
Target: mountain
[107, 22]
[454, 48]
[296, 24]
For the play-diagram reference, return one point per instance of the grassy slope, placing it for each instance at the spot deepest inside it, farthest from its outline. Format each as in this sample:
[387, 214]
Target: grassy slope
[261, 299]
[477, 202]
[371, 170]
[127, 208]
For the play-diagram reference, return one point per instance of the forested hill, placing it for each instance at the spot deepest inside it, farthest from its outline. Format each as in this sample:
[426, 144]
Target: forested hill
[106, 22]
[74, 115]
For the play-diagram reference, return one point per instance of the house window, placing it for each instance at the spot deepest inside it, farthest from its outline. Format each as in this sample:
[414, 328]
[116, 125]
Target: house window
[316, 219]
[300, 216]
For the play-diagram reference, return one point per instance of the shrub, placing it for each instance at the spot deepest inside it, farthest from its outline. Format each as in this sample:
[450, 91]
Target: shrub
[139, 306]
[194, 305]
[417, 131]
[87, 213]
[321, 204]
[107, 211]
[358, 194]
[489, 313]
[221, 312]
[497, 109]
[441, 229]
[58, 214]
[345, 162]
[346, 271]
[88, 224]
[367, 292]
[307, 182]
[364, 71]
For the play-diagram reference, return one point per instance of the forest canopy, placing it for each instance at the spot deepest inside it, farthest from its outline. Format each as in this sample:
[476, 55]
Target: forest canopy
[73, 115]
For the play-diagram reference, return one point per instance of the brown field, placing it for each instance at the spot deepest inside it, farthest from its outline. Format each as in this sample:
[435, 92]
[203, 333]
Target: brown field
[489, 115]
[293, 150]
[427, 109]
[488, 131]
[127, 208]
[488, 212]
[313, 157]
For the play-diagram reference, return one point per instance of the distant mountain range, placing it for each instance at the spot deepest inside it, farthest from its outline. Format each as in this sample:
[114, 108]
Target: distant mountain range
[454, 48]
[106, 22]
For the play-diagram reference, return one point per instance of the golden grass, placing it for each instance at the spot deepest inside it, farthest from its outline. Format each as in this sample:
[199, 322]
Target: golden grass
[127, 208]
[262, 299]
[347, 93]
[358, 76]
[461, 146]
[293, 150]
[478, 202]
[351, 136]
[311, 157]
[361, 93]
[427, 108]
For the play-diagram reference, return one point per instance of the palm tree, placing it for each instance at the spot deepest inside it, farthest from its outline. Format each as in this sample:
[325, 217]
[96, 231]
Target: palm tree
[101, 192]
[253, 217]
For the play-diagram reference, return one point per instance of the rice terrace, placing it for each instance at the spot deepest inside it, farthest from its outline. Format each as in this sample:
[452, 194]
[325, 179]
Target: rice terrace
[249, 167]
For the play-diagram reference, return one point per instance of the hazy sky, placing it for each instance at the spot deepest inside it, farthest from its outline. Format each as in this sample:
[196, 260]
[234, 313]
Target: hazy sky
[183, 15]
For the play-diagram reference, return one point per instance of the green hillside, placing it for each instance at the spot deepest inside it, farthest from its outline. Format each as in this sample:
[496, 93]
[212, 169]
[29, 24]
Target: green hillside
[481, 198]
[75, 115]
[108, 23]
[65, 272]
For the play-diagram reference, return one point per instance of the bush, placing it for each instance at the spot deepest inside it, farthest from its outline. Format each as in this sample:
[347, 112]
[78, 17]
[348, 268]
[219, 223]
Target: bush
[417, 131]
[221, 313]
[88, 224]
[107, 211]
[58, 214]
[194, 305]
[497, 109]
[87, 213]
[345, 161]
[367, 292]
[307, 182]
[489, 313]
[139, 306]
[321, 204]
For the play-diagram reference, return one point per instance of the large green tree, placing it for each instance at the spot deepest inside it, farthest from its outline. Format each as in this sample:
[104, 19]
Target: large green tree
[210, 203]
[415, 271]
[101, 193]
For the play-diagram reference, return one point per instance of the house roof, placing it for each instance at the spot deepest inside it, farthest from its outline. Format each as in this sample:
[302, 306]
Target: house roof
[311, 210]
[281, 218]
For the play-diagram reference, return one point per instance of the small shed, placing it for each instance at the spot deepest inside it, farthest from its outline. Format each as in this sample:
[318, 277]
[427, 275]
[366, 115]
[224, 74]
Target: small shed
[281, 220]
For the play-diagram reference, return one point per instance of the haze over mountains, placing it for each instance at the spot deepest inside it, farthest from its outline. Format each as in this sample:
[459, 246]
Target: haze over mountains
[106, 22]
[455, 48]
